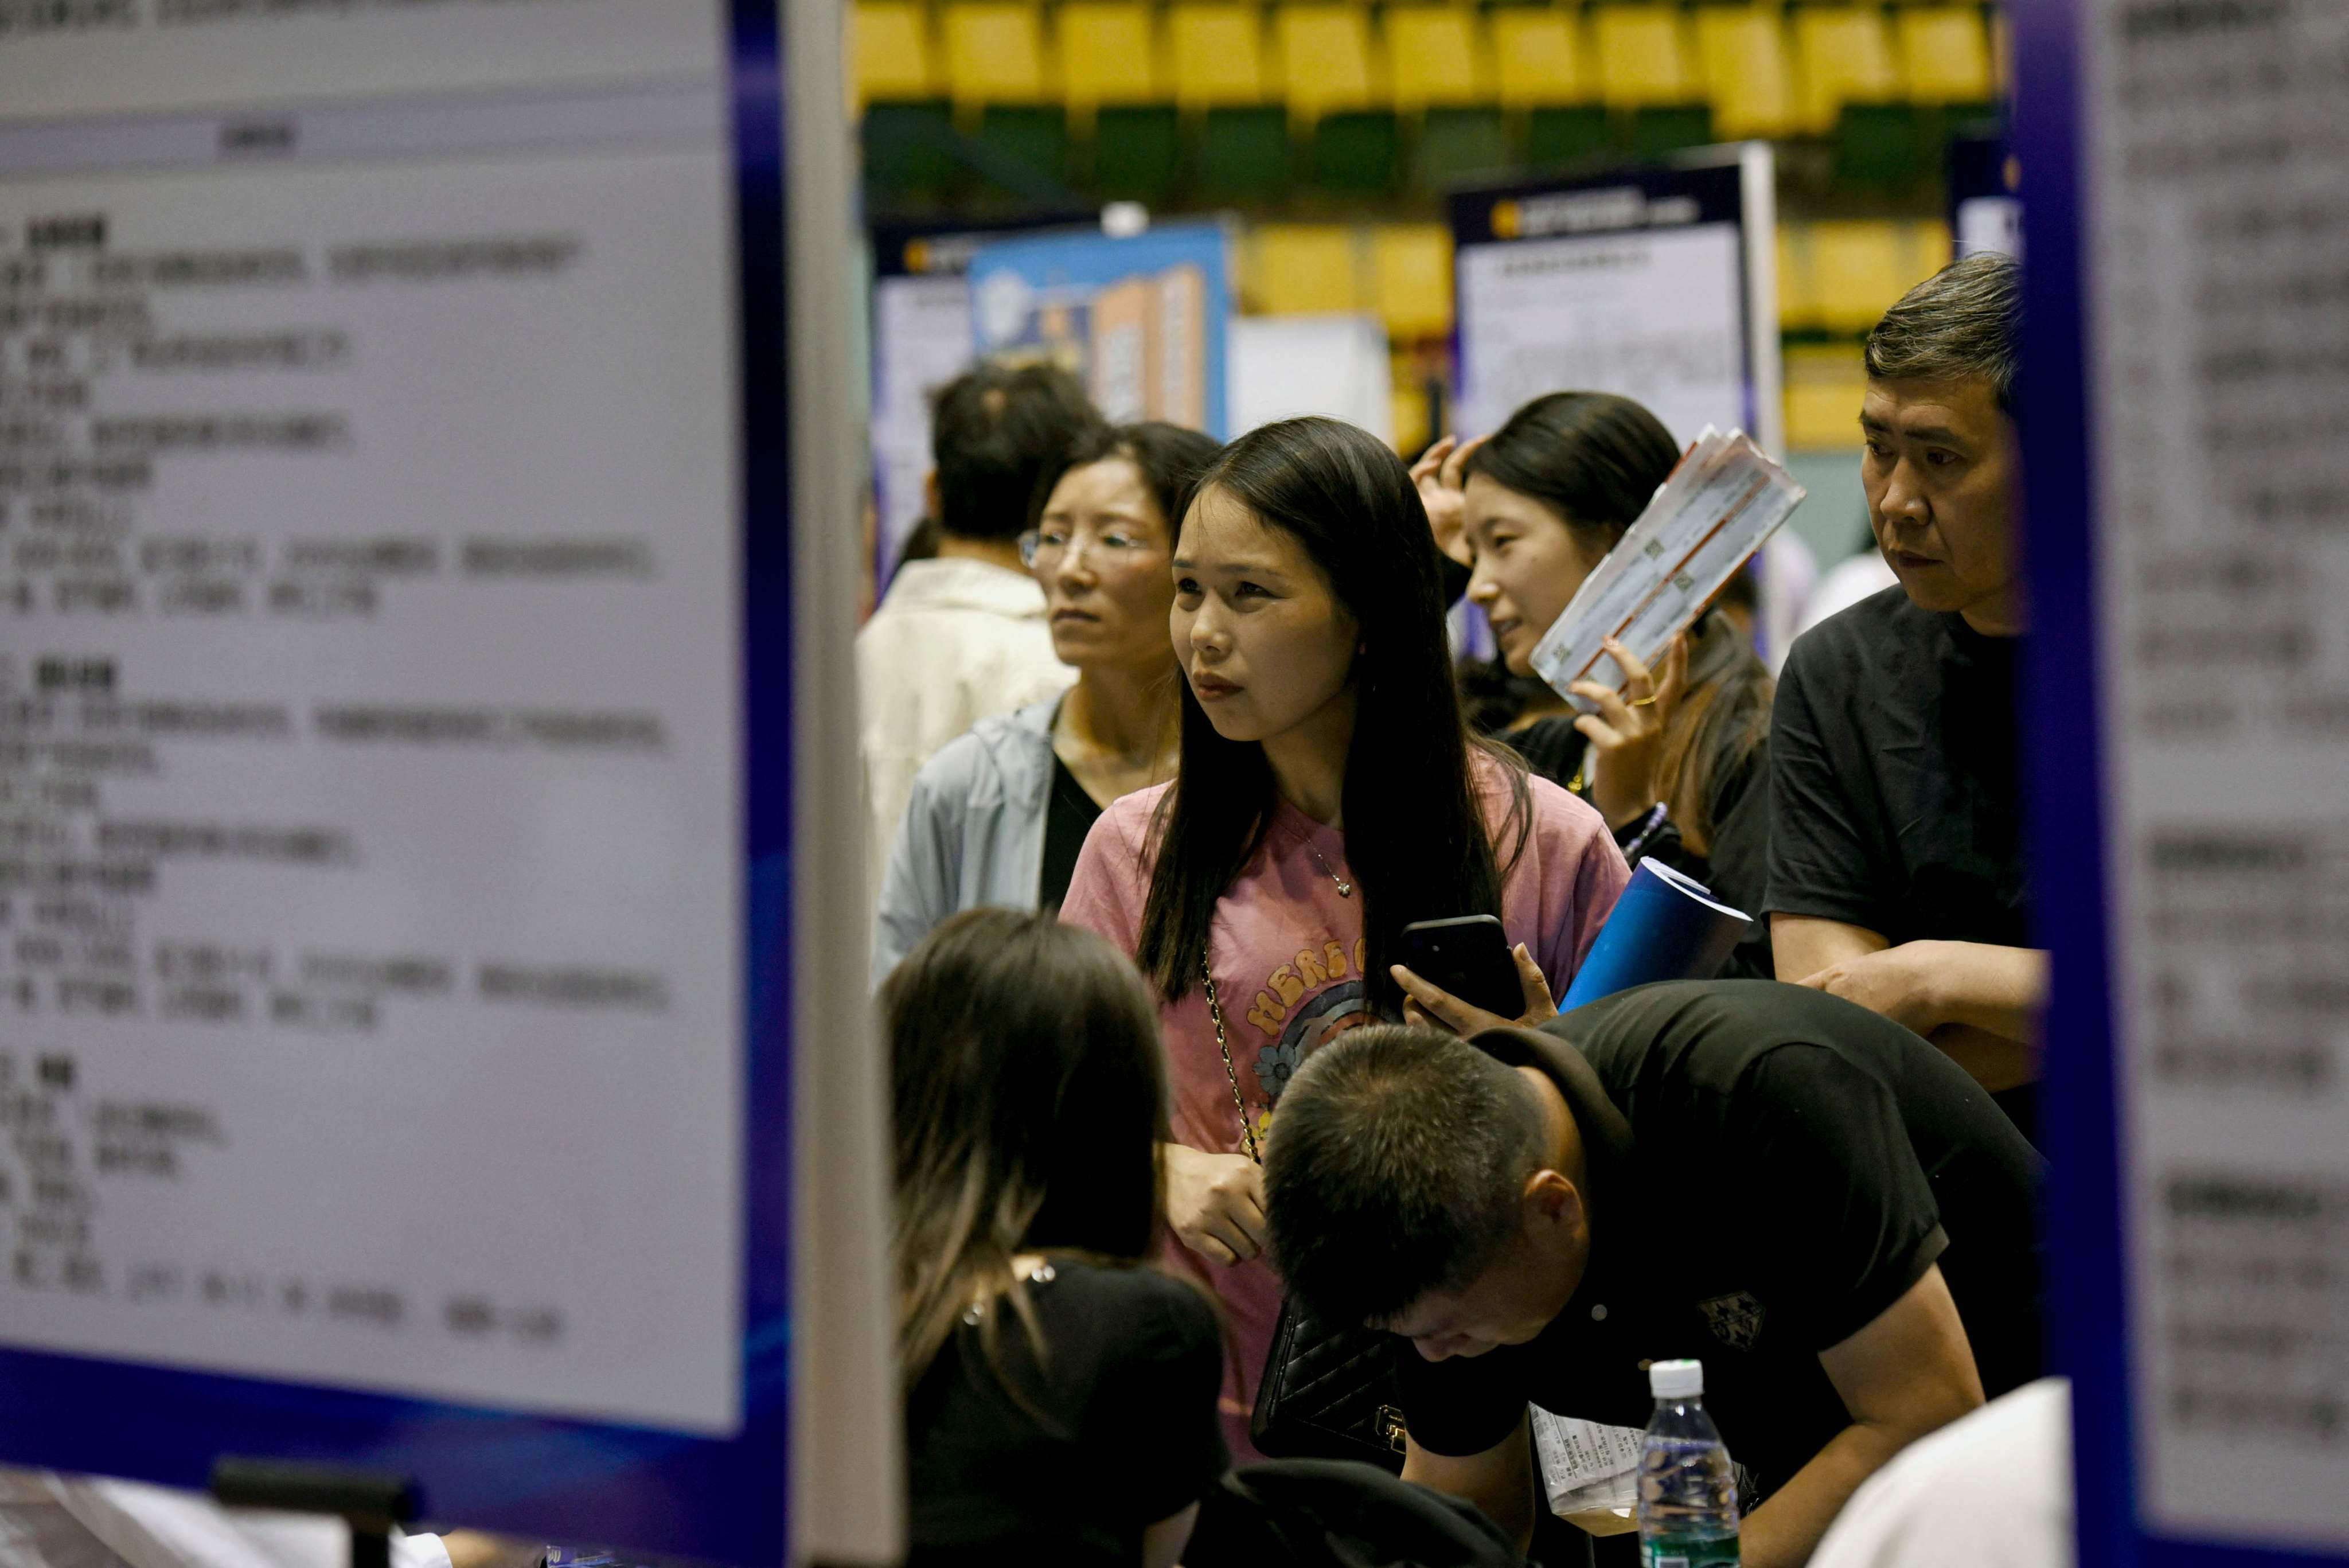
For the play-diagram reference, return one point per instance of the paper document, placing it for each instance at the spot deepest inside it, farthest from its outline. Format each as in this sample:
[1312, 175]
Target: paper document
[1586, 1467]
[1720, 505]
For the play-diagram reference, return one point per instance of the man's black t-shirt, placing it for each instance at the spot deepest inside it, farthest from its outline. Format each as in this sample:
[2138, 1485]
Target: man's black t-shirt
[1770, 1168]
[1115, 1431]
[1893, 778]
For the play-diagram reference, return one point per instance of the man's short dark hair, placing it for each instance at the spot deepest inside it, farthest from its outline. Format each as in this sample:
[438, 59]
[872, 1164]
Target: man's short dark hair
[1397, 1166]
[1959, 325]
[993, 432]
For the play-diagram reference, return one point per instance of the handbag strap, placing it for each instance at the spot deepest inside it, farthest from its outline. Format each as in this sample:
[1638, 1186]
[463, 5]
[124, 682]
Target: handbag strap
[1231, 1074]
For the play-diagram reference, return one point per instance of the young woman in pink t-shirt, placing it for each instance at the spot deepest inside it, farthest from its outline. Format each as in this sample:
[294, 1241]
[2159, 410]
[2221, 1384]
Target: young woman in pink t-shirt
[1330, 794]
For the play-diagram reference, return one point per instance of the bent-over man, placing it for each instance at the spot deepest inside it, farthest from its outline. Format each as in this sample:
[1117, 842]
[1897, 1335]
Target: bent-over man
[1828, 1213]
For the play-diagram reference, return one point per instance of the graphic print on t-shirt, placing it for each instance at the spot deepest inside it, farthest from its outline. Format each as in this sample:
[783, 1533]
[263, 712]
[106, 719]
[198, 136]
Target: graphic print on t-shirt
[1735, 1319]
[1297, 1019]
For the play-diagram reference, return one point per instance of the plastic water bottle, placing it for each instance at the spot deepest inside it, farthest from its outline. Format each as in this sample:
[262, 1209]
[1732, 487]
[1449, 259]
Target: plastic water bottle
[1688, 1492]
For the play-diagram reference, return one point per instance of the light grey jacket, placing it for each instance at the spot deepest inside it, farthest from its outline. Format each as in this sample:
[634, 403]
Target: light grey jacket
[972, 832]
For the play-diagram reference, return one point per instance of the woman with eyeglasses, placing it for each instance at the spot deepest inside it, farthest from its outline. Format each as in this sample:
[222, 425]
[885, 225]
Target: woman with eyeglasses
[998, 814]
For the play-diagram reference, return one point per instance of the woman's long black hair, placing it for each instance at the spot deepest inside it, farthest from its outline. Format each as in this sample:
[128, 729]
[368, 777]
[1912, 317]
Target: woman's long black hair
[1595, 459]
[1029, 1096]
[1416, 839]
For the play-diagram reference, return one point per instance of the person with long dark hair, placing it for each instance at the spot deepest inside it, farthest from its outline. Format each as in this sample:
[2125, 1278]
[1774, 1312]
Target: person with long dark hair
[1678, 760]
[1060, 1392]
[1328, 795]
[998, 814]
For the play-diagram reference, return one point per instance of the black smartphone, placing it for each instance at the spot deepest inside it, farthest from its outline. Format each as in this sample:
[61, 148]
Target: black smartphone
[1469, 957]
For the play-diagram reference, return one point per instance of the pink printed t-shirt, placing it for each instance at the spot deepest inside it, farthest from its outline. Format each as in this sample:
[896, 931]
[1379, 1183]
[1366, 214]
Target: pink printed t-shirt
[1287, 950]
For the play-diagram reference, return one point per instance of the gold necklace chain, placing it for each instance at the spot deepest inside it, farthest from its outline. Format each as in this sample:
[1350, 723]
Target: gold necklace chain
[1231, 1074]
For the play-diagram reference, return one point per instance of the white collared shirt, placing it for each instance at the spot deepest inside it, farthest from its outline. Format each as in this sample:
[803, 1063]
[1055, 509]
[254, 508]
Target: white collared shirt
[953, 642]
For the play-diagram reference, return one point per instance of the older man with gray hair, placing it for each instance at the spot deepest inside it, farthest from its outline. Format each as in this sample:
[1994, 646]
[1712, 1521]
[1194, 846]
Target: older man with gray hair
[1897, 873]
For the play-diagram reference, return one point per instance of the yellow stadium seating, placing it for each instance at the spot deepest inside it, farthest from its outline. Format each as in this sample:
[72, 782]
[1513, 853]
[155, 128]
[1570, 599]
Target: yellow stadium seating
[1216, 55]
[1842, 55]
[995, 52]
[1825, 383]
[1326, 64]
[1302, 268]
[1859, 267]
[1642, 56]
[1410, 279]
[1409, 402]
[1538, 57]
[1944, 54]
[1856, 271]
[1742, 50]
[1434, 56]
[1797, 298]
[1109, 54]
[890, 47]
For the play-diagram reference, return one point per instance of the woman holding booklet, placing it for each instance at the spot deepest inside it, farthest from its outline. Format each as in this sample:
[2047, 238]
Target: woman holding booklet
[1677, 761]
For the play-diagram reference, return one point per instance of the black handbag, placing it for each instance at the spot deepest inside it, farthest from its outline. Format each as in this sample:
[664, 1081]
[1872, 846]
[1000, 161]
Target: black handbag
[1329, 1390]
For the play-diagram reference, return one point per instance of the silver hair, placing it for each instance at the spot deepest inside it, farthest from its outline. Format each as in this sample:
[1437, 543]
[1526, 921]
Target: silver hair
[1959, 325]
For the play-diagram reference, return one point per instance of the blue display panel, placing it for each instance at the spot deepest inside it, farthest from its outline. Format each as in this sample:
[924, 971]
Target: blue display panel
[395, 639]
[2187, 783]
[1143, 320]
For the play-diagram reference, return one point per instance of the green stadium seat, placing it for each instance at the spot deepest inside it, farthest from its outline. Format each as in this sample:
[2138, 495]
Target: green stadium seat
[1884, 146]
[1561, 135]
[1033, 138]
[1456, 144]
[1137, 152]
[1659, 128]
[908, 155]
[1356, 151]
[1243, 152]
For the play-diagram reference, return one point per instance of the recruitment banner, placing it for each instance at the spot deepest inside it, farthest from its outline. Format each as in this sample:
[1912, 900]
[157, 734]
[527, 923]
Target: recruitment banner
[1657, 282]
[1143, 320]
[397, 946]
[2185, 369]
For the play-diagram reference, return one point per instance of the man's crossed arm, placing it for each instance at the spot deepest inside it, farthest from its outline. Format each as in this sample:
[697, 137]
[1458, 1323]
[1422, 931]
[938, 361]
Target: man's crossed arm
[1977, 1001]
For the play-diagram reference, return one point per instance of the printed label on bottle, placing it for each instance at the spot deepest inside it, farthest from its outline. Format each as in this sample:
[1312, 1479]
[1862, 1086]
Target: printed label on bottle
[1714, 1553]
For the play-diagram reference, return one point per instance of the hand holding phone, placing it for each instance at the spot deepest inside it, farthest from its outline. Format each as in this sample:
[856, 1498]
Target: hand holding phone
[1461, 975]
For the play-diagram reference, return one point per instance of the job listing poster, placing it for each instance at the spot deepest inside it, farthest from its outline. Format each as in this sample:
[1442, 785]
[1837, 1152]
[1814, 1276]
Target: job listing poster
[370, 689]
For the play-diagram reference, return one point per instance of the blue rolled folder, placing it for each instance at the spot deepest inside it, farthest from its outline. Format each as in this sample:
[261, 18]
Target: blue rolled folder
[1666, 925]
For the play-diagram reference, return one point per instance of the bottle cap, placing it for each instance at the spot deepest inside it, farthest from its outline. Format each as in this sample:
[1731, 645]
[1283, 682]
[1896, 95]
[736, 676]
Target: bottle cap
[1676, 1379]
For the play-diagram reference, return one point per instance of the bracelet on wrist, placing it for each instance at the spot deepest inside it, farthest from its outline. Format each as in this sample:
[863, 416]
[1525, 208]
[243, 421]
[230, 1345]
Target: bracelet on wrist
[1644, 832]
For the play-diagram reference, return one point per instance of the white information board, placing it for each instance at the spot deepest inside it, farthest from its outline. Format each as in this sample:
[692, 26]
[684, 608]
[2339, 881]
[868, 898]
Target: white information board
[921, 334]
[1657, 283]
[2218, 367]
[370, 896]
[1653, 317]
[1336, 365]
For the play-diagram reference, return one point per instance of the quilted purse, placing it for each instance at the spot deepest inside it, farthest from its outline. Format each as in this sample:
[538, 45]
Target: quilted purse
[1329, 1390]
